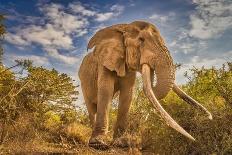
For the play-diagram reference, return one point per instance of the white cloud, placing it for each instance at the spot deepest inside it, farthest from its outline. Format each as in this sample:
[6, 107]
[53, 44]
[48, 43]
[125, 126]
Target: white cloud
[47, 36]
[99, 27]
[211, 19]
[104, 16]
[198, 62]
[67, 59]
[78, 8]
[60, 20]
[54, 35]
[16, 39]
[159, 17]
[162, 18]
[173, 43]
[185, 44]
[60, 26]
[116, 11]
[37, 60]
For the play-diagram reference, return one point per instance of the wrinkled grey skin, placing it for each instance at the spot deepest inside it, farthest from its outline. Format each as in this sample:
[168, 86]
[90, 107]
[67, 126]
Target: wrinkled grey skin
[119, 52]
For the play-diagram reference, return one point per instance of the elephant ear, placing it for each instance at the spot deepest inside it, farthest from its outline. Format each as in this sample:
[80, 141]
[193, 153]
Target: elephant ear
[105, 34]
[109, 48]
[117, 47]
[111, 54]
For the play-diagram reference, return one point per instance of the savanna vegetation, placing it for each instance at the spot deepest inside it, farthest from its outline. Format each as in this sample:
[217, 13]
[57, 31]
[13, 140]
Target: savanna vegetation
[38, 113]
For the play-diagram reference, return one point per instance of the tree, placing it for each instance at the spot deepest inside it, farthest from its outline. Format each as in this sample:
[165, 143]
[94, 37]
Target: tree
[39, 92]
[48, 90]
[212, 83]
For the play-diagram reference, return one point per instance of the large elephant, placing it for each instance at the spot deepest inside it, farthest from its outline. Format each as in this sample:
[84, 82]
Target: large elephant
[119, 52]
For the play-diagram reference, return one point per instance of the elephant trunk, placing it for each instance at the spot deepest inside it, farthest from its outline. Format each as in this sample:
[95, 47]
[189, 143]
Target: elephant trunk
[147, 86]
[165, 77]
[165, 73]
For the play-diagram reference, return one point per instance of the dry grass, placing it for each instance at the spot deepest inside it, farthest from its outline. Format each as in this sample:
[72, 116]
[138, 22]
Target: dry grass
[23, 138]
[35, 147]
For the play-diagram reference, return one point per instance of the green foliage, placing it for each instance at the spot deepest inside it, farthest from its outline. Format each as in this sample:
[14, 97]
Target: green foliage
[212, 83]
[52, 120]
[48, 90]
[38, 101]
[46, 94]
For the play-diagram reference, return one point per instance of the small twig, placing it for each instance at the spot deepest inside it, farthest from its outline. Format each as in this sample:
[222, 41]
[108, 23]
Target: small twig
[7, 94]
[9, 68]
[21, 88]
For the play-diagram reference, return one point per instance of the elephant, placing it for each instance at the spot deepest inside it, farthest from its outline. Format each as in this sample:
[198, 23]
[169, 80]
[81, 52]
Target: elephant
[118, 52]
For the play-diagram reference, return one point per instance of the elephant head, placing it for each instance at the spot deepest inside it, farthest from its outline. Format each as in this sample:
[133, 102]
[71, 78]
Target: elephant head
[138, 46]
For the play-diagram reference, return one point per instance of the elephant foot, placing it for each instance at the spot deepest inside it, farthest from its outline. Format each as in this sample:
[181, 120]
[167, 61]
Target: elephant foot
[121, 142]
[98, 143]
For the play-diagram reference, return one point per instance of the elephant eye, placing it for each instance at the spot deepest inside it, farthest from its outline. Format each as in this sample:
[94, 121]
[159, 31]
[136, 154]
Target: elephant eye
[141, 39]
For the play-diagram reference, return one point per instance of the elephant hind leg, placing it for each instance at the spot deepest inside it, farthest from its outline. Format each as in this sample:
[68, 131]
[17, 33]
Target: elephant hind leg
[92, 110]
[90, 98]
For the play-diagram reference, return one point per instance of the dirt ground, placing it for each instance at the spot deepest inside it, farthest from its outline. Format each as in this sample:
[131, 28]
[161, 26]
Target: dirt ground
[55, 149]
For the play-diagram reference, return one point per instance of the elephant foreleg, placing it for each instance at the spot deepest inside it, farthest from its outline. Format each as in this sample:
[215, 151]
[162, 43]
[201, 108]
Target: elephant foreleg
[126, 88]
[106, 81]
[123, 109]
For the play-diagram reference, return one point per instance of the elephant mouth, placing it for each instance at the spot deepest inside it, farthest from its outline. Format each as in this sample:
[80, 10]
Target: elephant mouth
[147, 87]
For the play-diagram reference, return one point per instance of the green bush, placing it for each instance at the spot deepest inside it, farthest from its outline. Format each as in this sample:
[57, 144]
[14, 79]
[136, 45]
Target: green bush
[212, 88]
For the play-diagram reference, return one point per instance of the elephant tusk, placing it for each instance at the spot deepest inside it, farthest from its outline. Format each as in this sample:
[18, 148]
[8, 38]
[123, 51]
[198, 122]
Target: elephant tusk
[190, 100]
[150, 95]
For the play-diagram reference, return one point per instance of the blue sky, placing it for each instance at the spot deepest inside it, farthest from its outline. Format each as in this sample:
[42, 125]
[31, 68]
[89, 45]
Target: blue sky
[54, 33]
